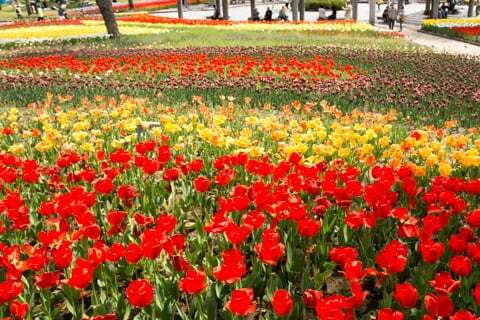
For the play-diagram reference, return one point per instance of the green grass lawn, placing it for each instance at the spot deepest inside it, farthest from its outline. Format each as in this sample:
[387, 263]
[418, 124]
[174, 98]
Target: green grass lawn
[201, 36]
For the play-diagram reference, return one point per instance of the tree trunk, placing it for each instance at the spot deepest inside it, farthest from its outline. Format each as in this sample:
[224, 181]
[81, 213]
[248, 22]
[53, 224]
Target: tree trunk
[470, 8]
[180, 9]
[354, 10]
[301, 9]
[434, 9]
[225, 9]
[106, 10]
[130, 4]
[29, 7]
[427, 6]
[371, 12]
[218, 5]
[252, 8]
[295, 10]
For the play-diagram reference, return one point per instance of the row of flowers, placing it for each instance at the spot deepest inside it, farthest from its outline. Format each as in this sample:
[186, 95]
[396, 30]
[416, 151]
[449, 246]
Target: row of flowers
[76, 28]
[210, 213]
[184, 65]
[468, 28]
[451, 22]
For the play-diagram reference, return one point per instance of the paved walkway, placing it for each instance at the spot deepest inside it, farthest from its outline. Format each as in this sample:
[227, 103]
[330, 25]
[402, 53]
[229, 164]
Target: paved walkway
[438, 44]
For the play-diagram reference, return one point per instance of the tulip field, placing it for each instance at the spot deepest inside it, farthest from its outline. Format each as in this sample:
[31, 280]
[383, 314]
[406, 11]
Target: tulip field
[238, 182]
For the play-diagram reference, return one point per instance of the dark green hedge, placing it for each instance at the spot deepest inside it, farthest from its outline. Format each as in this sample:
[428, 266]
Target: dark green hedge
[313, 5]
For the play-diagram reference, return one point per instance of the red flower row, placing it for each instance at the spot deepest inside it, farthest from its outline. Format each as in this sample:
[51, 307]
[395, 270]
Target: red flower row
[189, 65]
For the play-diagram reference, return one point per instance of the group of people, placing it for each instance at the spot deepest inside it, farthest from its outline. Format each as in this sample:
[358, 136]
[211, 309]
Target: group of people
[282, 15]
[322, 13]
[37, 7]
[391, 15]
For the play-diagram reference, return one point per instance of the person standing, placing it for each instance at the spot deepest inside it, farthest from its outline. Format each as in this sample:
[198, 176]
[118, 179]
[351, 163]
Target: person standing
[379, 4]
[268, 14]
[283, 15]
[18, 10]
[39, 5]
[322, 14]
[392, 16]
[348, 10]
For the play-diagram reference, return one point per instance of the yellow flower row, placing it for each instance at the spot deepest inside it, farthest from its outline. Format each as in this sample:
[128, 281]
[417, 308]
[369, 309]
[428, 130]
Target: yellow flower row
[451, 22]
[319, 132]
[88, 28]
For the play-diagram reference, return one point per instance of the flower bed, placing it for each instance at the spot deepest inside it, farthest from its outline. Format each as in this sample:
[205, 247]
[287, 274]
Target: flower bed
[468, 28]
[146, 24]
[212, 213]
[350, 77]
[151, 4]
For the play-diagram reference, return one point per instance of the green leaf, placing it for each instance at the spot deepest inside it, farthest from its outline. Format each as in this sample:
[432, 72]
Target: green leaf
[181, 313]
[71, 308]
[211, 304]
[273, 284]
[218, 290]
[102, 309]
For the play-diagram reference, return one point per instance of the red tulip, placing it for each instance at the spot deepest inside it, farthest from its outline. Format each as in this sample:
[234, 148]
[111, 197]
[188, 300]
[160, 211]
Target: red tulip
[463, 315]
[82, 274]
[460, 265]
[431, 251]
[438, 305]
[393, 257]
[171, 174]
[476, 293]
[282, 303]
[444, 283]
[308, 227]
[164, 154]
[233, 267]
[62, 256]
[406, 295]
[9, 290]
[104, 186]
[241, 303]
[389, 314]
[139, 293]
[18, 309]
[193, 282]
[201, 184]
[270, 250]
[47, 280]
[310, 297]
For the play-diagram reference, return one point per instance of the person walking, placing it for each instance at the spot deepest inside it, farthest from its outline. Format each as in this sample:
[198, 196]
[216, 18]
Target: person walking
[392, 16]
[401, 16]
